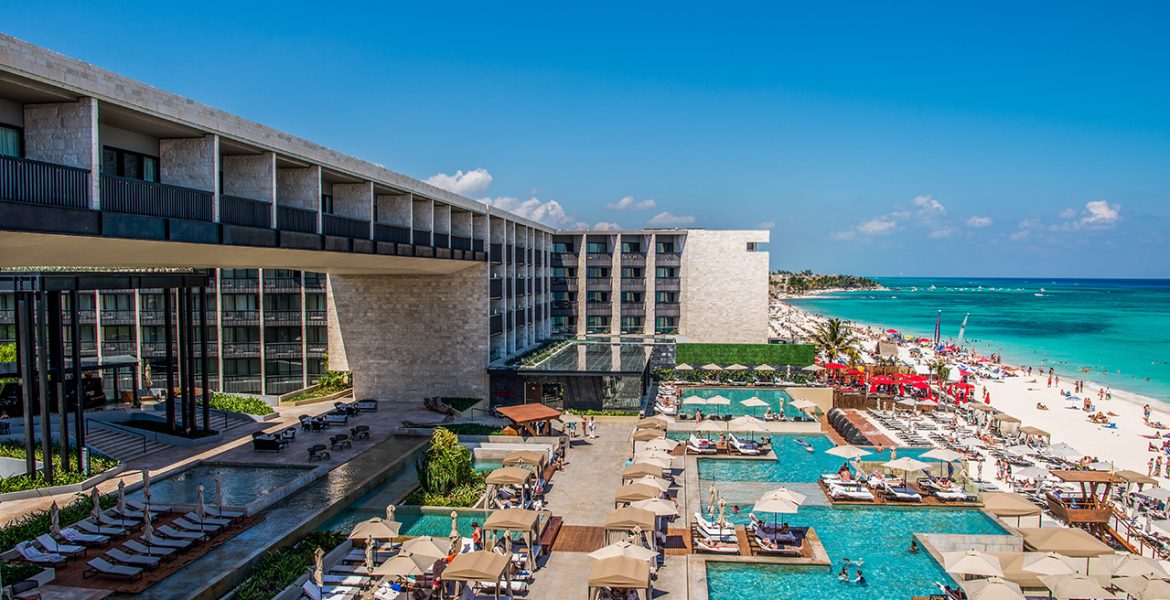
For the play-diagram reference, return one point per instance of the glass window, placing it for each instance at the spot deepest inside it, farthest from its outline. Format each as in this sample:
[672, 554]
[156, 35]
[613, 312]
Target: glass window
[631, 297]
[632, 247]
[631, 324]
[596, 297]
[128, 164]
[560, 296]
[597, 248]
[665, 297]
[118, 333]
[117, 302]
[596, 272]
[561, 248]
[664, 247]
[631, 273]
[665, 325]
[11, 141]
[315, 301]
[327, 203]
[596, 323]
[666, 272]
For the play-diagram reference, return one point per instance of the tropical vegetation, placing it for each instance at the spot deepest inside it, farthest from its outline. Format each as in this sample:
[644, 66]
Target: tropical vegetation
[98, 463]
[806, 281]
[446, 473]
[473, 429]
[29, 525]
[279, 568]
[7, 354]
[330, 382]
[249, 405]
[835, 341]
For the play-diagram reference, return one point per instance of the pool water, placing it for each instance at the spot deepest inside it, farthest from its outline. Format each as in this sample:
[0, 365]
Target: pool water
[793, 463]
[413, 522]
[880, 536]
[777, 399]
[242, 484]
[484, 464]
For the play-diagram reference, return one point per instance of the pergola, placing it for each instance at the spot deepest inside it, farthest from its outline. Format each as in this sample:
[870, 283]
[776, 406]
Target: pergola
[516, 476]
[633, 492]
[1005, 423]
[523, 417]
[483, 566]
[46, 358]
[1035, 432]
[516, 519]
[630, 520]
[527, 458]
[622, 572]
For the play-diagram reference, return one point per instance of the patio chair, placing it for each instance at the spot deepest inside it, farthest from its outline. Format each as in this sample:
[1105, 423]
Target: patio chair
[337, 418]
[289, 434]
[306, 422]
[134, 560]
[367, 405]
[52, 546]
[171, 532]
[98, 566]
[93, 528]
[163, 552]
[319, 452]
[155, 509]
[339, 442]
[267, 444]
[360, 432]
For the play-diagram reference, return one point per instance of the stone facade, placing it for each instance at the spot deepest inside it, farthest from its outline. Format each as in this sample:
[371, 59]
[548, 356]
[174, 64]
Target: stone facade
[354, 200]
[190, 162]
[299, 187]
[724, 287]
[408, 337]
[66, 134]
[250, 176]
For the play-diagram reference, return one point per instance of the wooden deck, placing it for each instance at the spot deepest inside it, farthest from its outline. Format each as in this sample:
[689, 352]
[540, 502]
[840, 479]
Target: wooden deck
[579, 538]
[879, 499]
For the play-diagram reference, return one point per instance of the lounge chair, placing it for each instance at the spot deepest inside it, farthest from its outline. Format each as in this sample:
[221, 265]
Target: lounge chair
[696, 445]
[52, 546]
[767, 547]
[201, 527]
[348, 580]
[713, 530]
[74, 536]
[31, 554]
[90, 527]
[224, 513]
[902, 494]
[312, 592]
[206, 520]
[98, 566]
[125, 523]
[850, 491]
[134, 560]
[138, 547]
[664, 409]
[171, 532]
[517, 587]
[129, 514]
[716, 546]
[950, 495]
[748, 448]
[155, 509]
[169, 542]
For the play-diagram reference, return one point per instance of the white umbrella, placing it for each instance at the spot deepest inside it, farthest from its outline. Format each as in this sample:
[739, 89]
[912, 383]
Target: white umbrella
[718, 401]
[847, 452]
[1065, 587]
[776, 505]
[813, 368]
[1156, 493]
[683, 367]
[736, 367]
[665, 444]
[765, 368]
[375, 528]
[662, 463]
[906, 464]
[746, 423]
[944, 455]
[1030, 473]
[658, 506]
[711, 367]
[1131, 565]
[694, 400]
[753, 402]
[1048, 563]
[653, 481]
[803, 404]
[971, 442]
[710, 425]
[1144, 587]
[972, 562]
[992, 588]
[786, 495]
[624, 548]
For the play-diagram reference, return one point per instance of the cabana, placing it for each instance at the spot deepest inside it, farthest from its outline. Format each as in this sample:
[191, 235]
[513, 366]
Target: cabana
[525, 417]
[482, 566]
[1011, 504]
[516, 519]
[640, 469]
[516, 476]
[1069, 541]
[645, 435]
[527, 458]
[1005, 424]
[655, 422]
[1036, 432]
[633, 492]
[630, 520]
[622, 572]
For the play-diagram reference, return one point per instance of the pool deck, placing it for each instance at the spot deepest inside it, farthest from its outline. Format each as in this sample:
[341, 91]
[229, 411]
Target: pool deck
[928, 501]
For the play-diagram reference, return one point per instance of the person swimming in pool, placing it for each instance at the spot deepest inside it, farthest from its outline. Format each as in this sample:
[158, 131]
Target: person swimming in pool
[860, 580]
[844, 574]
[859, 562]
[913, 546]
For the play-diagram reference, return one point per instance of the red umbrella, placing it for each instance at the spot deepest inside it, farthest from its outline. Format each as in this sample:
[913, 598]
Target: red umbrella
[854, 372]
[833, 366]
[924, 340]
[882, 380]
[964, 386]
[920, 385]
[891, 331]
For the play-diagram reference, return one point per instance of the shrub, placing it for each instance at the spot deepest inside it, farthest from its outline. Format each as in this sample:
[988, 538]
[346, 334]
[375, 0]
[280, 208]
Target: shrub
[446, 473]
[279, 568]
[98, 463]
[776, 355]
[29, 525]
[248, 405]
[13, 572]
[633, 412]
[473, 429]
[545, 350]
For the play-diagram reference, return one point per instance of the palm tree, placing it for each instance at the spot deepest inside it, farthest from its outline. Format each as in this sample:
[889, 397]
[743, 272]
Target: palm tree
[942, 371]
[833, 338]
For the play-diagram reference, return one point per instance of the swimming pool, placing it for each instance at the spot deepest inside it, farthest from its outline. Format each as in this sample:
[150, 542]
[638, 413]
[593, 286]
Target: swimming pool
[793, 463]
[880, 536]
[775, 398]
[242, 484]
[413, 521]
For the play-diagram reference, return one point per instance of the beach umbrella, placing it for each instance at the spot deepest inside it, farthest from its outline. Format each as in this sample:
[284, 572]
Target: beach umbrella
[404, 564]
[662, 443]
[1063, 450]
[658, 506]
[776, 505]
[746, 423]
[711, 426]
[656, 461]
[906, 464]
[764, 368]
[711, 495]
[813, 368]
[1143, 587]
[1133, 565]
[972, 562]
[319, 567]
[944, 455]
[1030, 473]
[624, 548]
[643, 435]
[121, 497]
[1066, 587]
[992, 588]
[753, 402]
[147, 525]
[54, 518]
[96, 511]
[1156, 493]
[1021, 450]
[218, 479]
[424, 546]
[1048, 563]
[711, 367]
[375, 528]
[632, 492]
[736, 367]
[694, 400]
[653, 481]
[787, 495]
[848, 452]
[200, 508]
[1161, 525]
[718, 401]
[683, 367]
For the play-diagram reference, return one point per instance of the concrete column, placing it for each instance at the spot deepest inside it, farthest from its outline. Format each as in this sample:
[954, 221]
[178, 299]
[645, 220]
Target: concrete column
[66, 133]
[192, 163]
[615, 295]
[582, 261]
[441, 349]
[651, 292]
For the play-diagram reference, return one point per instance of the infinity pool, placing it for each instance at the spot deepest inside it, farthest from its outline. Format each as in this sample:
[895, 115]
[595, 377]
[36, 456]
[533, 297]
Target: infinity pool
[242, 484]
[777, 399]
[793, 462]
[878, 536]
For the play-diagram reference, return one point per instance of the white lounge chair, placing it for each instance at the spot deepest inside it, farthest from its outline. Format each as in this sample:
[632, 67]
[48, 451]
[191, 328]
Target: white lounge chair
[664, 409]
[713, 530]
[853, 492]
[155, 509]
[74, 536]
[140, 548]
[93, 528]
[203, 527]
[52, 546]
[902, 494]
[206, 520]
[171, 532]
[167, 542]
[716, 546]
[747, 448]
[134, 560]
[32, 554]
[98, 566]
[312, 592]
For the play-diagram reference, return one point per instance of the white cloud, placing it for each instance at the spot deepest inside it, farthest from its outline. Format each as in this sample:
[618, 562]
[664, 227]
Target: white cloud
[475, 181]
[941, 233]
[666, 219]
[769, 224]
[1068, 213]
[978, 222]
[629, 203]
[877, 225]
[1100, 212]
[549, 212]
[927, 204]
[843, 235]
[606, 226]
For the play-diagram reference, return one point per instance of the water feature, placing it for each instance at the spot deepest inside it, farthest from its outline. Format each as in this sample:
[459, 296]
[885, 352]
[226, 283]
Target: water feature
[242, 484]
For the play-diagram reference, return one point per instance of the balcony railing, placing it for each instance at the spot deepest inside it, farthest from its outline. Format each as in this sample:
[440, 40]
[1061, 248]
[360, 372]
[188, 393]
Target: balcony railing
[316, 348]
[152, 315]
[158, 348]
[283, 384]
[442, 240]
[234, 210]
[391, 233]
[87, 347]
[282, 316]
[231, 349]
[315, 316]
[240, 316]
[7, 315]
[460, 243]
[282, 350]
[119, 347]
[239, 284]
[314, 283]
[36, 182]
[345, 227]
[242, 384]
[290, 218]
[284, 284]
[118, 316]
[420, 237]
[477, 245]
[133, 196]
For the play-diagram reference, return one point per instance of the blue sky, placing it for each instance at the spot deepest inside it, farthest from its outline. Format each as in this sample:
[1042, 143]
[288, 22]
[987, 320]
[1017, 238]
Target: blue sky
[871, 138]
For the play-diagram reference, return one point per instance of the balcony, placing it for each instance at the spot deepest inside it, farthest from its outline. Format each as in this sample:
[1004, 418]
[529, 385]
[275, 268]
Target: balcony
[598, 259]
[158, 349]
[240, 317]
[154, 316]
[241, 349]
[598, 283]
[598, 308]
[666, 330]
[35, 182]
[314, 282]
[87, 347]
[633, 284]
[496, 288]
[497, 253]
[234, 210]
[316, 349]
[119, 347]
[670, 284]
[292, 317]
[668, 259]
[633, 259]
[460, 243]
[241, 384]
[289, 218]
[391, 233]
[137, 197]
[666, 309]
[239, 284]
[283, 350]
[118, 317]
[345, 227]
[282, 284]
[315, 316]
[633, 309]
[497, 324]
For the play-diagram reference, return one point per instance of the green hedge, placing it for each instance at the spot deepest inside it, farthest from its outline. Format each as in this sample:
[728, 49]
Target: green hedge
[248, 405]
[748, 355]
[98, 463]
[29, 525]
[459, 404]
[279, 568]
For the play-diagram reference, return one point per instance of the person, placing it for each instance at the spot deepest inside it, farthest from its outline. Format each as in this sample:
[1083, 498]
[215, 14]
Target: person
[913, 546]
[859, 562]
[735, 508]
[860, 578]
[572, 429]
[593, 427]
[476, 536]
[844, 574]
[629, 461]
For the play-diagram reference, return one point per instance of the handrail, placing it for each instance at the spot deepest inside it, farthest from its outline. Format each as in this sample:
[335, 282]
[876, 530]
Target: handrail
[117, 426]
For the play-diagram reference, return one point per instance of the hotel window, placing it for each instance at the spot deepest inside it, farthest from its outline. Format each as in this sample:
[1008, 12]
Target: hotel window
[597, 248]
[327, 203]
[631, 273]
[596, 272]
[664, 247]
[595, 323]
[241, 335]
[561, 248]
[560, 296]
[118, 333]
[129, 164]
[11, 141]
[665, 325]
[596, 297]
[241, 367]
[117, 302]
[631, 298]
[8, 334]
[315, 301]
[666, 272]
[665, 297]
[240, 302]
[631, 247]
[632, 324]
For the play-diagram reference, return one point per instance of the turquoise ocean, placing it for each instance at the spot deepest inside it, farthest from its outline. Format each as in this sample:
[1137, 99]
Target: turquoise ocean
[1119, 329]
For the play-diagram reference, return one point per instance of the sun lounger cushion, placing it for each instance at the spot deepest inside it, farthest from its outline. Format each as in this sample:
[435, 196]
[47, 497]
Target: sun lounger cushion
[51, 545]
[98, 566]
[31, 554]
[77, 537]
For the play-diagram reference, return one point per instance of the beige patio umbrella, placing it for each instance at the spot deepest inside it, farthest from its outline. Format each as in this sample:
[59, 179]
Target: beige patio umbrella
[1143, 587]
[200, 507]
[641, 469]
[787, 495]
[972, 562]
[746, 423]
[121, 497]
[655, 422]
[992, 588]
[404, 564]
[1048, 563]
[424, 546]
[369, 555]
[722, 521]
[319, 566]
[620, 572]
[694, 401]
[943, 455]
[709, 426]
[655, 460]
[658, 506]
[378, 529]
[754, 402]
[54, 518]
[906, 465]
[765, 368]
[711, 367]
[147, 525]
[146, 483]
[718, 400]
[624, 548]
[803, 405]
[1067, 587]
[683, 367]
[633, 492]
[735, 367]
[652, 481]
[1132, 565]
[645, 435]
[663, 444]
[776, 505]
[813, 369]
[848, 452]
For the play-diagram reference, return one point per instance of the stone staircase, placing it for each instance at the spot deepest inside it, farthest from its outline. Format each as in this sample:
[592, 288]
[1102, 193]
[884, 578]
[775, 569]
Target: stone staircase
[121, 445]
